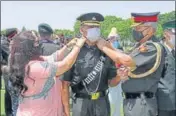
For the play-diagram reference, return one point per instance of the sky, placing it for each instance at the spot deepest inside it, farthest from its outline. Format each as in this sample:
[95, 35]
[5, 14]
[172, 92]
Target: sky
[63, 14]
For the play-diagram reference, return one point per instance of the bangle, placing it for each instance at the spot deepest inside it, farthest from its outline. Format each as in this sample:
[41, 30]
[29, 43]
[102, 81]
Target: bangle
[68, 48]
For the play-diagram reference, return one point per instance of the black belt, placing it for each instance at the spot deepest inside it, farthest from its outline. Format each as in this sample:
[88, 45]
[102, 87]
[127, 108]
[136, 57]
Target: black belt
[138, 95]
[93, 96]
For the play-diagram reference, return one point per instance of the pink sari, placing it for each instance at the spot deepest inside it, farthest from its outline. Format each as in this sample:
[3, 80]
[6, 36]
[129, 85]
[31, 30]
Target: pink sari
[43, 97]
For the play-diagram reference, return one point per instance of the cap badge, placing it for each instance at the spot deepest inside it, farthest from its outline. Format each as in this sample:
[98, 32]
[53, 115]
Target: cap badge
[93, 18]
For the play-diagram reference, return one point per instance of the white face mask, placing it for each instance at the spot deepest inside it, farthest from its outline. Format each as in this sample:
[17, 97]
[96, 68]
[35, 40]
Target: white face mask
[172, 39]
[93, 34]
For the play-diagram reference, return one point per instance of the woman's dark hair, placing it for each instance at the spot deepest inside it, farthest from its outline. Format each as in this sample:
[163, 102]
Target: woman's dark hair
[22, 50]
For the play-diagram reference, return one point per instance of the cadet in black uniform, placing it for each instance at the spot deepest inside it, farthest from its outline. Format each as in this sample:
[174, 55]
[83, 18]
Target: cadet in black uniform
[47, 45]
[166, 87]
[92, 72]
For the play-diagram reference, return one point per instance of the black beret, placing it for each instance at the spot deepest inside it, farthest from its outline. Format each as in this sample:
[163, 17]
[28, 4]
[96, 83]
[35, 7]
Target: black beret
[91, 19]
[10, 32]
[45, 29]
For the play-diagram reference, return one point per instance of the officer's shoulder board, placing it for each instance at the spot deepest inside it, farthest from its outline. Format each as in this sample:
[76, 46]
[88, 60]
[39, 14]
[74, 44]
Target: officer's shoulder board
[144, 48]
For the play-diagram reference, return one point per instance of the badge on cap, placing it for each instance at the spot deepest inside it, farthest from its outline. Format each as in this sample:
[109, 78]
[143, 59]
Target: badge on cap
[93, 18]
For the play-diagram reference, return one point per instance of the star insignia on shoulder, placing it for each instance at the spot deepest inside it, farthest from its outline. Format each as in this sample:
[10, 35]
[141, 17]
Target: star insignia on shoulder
[143, 48]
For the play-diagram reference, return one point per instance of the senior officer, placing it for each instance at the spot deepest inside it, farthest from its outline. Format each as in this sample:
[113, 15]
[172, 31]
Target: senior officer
[139, 90]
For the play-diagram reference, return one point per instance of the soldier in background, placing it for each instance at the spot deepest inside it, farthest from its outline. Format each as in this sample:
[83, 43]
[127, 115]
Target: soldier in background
[11, 99]
[166, 87]
[46, 43]
[169, 36]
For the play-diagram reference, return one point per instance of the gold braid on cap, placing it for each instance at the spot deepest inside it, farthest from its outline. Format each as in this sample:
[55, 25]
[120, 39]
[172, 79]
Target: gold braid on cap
[91, 23]
[154, 68]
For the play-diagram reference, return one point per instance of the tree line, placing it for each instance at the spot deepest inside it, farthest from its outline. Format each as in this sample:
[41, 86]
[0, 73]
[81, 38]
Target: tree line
[122, 25]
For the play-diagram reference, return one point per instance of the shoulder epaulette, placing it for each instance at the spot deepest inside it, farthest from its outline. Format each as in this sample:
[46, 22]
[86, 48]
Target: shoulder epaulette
[155, 66]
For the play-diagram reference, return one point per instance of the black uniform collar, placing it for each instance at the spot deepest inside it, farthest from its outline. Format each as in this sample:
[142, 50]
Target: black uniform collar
[90, 47]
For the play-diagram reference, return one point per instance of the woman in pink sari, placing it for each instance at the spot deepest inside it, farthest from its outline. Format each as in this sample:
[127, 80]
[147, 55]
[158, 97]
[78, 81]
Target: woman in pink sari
[35, 76]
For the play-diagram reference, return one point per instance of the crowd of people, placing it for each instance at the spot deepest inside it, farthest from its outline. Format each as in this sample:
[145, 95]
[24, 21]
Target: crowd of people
[39, 70]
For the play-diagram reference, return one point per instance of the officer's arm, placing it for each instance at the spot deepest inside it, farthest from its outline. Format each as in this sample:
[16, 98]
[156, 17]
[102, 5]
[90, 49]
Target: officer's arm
[149, 57]
[122, 75]
[118, 56]
[113, 78]
[145, 54]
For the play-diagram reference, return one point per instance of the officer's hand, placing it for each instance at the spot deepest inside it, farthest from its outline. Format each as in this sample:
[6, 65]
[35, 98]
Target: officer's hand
[123, 73]
[72, 42]
[80, 42]
[101, 43]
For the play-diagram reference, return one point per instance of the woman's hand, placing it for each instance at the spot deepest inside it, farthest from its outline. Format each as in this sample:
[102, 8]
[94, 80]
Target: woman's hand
[72, 43]
[80, 42]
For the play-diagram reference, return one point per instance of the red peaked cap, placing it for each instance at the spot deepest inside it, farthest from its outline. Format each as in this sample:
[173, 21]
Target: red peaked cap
[145, 17]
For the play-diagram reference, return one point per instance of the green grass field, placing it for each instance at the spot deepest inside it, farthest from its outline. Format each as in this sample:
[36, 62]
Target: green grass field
[2, 99]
